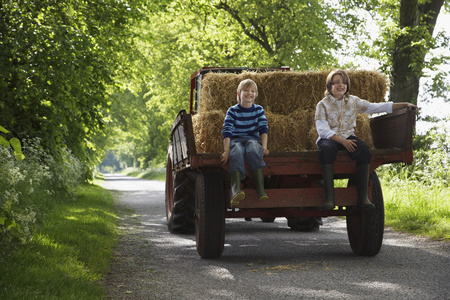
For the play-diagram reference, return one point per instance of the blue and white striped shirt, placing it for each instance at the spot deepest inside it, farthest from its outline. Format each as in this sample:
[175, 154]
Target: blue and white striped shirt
[241, 122]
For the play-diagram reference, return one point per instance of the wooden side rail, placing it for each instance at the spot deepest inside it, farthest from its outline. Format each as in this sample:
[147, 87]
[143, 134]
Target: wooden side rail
[392, 135]
[395, 130]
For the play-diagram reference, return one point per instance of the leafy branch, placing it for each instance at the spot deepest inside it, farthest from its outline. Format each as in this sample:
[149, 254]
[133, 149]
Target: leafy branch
[13, 142]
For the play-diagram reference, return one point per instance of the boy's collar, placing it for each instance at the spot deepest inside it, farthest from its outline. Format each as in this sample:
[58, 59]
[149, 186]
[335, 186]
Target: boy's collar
[244, 106]
[334, 100]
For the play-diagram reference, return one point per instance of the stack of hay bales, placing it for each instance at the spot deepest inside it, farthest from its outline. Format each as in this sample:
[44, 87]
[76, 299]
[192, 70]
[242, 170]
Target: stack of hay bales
[289, 99]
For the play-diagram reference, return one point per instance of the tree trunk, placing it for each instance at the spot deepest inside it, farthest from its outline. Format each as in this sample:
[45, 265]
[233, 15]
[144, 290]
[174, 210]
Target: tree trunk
[417, 23]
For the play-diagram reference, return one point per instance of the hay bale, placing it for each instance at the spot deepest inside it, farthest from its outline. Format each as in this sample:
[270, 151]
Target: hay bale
[207, 128]
[291, 133]
[368, 85]
[279, 126]
[287, 91]
[288, 133]
[218, 91]
[312, 134]
[289, 100]
[363, 131]
[300, 121]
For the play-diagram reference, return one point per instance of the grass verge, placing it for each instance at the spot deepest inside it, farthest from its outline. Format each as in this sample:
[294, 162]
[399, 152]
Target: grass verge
[155, 173]
[418, 209]
[68, 253]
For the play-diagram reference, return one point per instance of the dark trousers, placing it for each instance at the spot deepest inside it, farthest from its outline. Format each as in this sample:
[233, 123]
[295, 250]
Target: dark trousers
[328, 150]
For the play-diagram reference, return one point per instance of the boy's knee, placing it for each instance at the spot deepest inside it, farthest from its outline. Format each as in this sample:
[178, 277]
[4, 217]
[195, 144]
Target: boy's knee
[236, 149]
[362, 153]
[254, 144]
[327, 156]
[327, 152]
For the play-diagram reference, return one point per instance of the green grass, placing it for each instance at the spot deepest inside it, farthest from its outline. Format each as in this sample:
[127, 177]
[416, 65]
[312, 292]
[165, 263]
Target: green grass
[415, 208]
[68, 254]
[155, 173]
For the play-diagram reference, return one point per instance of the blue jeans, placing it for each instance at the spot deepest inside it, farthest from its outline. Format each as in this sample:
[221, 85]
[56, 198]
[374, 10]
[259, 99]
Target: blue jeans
[246, 149]
[328, 150]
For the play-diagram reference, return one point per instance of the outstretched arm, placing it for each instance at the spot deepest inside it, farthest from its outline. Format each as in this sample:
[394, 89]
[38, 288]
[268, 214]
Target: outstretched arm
[401, 105]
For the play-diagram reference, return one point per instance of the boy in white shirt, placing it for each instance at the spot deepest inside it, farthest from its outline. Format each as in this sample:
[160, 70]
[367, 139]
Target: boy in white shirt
[335, 122]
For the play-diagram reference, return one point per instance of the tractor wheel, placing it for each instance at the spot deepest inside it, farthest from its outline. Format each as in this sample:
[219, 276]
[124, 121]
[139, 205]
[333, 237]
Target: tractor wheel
[305, 224]
[179, 200]
[365, 230]
[209, 215]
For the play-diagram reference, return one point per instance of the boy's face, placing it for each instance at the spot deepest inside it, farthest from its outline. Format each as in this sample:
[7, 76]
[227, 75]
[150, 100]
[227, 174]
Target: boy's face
[338, 87]
[248, 95]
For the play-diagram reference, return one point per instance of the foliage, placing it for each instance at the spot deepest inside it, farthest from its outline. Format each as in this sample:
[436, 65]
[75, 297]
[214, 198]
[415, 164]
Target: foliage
[7, 221]
[431, 163]
[303, 43]
[58, 59]
[13, 142]
[405, 43]
[35, 182]
[183, 36]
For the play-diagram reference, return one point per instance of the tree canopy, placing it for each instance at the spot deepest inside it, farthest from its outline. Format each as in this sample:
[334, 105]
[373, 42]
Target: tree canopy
[406, 37]
[110, 74]
[58, 60]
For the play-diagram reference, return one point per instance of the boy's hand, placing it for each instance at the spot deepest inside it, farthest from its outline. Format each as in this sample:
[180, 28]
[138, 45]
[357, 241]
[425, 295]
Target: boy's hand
[224, 157]
[266, 151]
[350, 145]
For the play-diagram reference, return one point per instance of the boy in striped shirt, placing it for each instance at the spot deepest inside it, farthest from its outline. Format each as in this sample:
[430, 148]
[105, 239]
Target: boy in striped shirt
[245, 138]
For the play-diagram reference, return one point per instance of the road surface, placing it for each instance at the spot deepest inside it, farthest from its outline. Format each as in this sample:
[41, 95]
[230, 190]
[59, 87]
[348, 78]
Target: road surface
[262, 260]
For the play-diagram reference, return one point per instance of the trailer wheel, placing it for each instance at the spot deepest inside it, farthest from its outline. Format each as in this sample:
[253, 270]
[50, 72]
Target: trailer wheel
[179, 200]
[305, 224]
[365, 230]
[209, 215]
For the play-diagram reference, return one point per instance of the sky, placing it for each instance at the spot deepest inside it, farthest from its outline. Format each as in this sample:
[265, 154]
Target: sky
[438, 107]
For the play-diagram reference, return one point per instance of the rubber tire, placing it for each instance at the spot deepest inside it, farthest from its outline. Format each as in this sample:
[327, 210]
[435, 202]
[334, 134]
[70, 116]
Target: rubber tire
[365, 231]
[305, 224]
[180, 201]
[209, 215]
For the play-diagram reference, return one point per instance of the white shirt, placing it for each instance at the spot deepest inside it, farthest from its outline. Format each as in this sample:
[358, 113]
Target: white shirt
[338, 117]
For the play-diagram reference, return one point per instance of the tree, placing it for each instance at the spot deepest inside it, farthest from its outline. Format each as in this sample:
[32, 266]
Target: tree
[416, 24]
[291, 32]
[183, 36]
[57, 61]
[405, 40]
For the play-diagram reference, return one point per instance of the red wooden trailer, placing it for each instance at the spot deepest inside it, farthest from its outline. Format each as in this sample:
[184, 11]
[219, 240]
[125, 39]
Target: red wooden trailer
[198, 185]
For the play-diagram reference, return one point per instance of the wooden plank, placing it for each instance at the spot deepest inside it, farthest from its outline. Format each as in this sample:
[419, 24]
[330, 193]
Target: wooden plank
[304, 197]
[394, 130]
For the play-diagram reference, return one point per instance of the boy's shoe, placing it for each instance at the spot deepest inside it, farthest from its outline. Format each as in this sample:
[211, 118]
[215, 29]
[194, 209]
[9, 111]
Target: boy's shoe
[258, 178]
[237, 195]
[237, 198]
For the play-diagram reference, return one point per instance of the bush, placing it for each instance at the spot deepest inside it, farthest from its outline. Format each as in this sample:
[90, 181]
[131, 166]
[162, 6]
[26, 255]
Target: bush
[431, 161]
[39, 177]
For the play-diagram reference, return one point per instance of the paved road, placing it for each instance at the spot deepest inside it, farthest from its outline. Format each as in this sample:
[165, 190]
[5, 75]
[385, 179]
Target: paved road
[263, 260]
